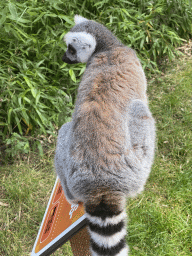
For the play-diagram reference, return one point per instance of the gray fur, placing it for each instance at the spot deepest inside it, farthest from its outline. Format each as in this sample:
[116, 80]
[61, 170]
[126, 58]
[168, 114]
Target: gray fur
[135, 167]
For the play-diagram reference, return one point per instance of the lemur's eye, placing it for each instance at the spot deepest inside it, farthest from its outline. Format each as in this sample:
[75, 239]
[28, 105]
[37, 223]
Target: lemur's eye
[71, 49]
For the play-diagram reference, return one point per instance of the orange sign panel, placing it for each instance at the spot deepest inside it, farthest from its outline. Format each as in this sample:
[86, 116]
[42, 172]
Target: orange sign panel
[61, 221]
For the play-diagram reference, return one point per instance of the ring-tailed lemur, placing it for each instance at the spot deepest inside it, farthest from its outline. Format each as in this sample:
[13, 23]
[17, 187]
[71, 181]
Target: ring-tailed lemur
[105, 153]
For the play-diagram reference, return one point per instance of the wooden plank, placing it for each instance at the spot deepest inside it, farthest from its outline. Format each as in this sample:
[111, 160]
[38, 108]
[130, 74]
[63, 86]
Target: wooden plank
[80, 243]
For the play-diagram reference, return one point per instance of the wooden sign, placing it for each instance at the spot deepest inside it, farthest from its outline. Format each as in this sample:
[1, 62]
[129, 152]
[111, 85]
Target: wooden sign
[60, 222]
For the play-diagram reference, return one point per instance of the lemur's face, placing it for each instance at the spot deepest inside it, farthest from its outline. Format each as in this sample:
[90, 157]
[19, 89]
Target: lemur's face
[80, 47]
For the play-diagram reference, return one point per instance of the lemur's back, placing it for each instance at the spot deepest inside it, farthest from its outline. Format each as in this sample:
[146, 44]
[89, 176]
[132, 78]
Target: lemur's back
[109, 145]
[101, 137]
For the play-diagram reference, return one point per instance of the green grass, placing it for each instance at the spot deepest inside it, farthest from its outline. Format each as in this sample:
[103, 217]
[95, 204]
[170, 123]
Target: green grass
[25, 190]
[159, 219]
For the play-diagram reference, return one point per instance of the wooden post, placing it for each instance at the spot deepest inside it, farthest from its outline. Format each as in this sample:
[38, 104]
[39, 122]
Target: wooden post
[80, 243]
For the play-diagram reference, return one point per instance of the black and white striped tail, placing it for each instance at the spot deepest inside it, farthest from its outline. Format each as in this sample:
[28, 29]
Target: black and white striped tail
[107, 230]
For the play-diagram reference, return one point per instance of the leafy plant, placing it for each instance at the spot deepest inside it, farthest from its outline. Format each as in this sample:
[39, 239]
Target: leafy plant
[152, 28]
[32, 84]
[38, 91]
[19, 145]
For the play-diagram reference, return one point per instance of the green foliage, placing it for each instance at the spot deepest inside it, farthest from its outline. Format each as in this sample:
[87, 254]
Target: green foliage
[152, 28]
[18, 144]
[34, 86]
[37, 91]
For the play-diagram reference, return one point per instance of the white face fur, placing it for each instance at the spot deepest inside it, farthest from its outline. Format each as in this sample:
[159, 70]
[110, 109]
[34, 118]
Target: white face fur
[83, 43]
[80, 45]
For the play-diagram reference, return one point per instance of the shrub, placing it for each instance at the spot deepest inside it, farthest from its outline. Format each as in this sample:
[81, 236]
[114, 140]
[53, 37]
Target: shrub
[34, 86]
[37, 91]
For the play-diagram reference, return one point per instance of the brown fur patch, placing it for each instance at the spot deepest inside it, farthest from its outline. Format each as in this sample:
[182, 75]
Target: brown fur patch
[109, 84]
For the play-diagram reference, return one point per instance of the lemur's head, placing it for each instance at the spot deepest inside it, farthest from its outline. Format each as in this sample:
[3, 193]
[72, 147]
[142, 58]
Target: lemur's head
[86, 38]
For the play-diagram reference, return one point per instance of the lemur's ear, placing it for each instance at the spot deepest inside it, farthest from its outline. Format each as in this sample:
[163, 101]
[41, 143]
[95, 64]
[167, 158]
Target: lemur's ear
[79, 19]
